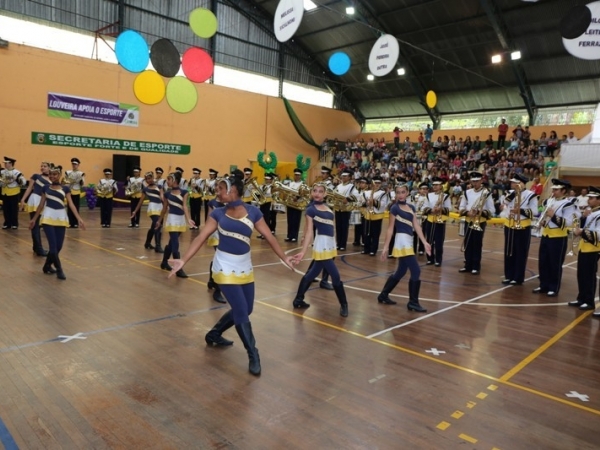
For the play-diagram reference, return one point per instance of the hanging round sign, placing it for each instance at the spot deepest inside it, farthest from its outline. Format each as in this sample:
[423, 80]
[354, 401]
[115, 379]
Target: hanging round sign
[575, 22]
[288, 17]
[384, 55]
[431, 99]
[587, 45]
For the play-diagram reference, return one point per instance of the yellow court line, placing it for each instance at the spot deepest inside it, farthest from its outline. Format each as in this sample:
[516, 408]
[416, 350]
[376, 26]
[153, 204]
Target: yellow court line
[438, 361]
[512, 372]
[130, 258]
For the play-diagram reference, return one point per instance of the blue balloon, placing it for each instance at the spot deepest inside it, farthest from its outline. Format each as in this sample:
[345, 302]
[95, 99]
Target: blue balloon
[339, 63]
[132, 51]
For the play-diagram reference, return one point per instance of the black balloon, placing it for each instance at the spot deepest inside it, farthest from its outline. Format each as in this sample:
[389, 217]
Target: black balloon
[165, 58]
[575, 22]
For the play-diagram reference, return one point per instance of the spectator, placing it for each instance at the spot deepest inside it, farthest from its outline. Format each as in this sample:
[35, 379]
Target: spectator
[489, 143]
[537, 187]
[552, 143]
[397, 132]
[571, 139]
[420, 139]
[502, 130]
[543, 144]
[582, 200]
[428, 133]
[549, 166]
[526, 137]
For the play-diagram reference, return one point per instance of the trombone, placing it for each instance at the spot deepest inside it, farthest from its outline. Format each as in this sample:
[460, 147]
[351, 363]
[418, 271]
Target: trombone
[574, 239]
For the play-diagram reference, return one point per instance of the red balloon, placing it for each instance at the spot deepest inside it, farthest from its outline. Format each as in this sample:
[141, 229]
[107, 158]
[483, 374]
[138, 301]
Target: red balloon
[197, 65]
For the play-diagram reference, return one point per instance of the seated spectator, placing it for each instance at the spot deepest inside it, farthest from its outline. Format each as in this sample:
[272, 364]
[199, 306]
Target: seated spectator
[571, 139]
[543, 143]
[549, 166]
[489, 142]
[582, 200]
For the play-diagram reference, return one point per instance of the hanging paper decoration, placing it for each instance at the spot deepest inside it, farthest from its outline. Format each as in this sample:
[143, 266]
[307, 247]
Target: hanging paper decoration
[303, 165]
[267, 162]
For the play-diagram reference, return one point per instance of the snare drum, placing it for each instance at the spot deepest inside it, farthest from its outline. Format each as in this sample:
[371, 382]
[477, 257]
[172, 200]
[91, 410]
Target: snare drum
[462, 227]
[355, 217]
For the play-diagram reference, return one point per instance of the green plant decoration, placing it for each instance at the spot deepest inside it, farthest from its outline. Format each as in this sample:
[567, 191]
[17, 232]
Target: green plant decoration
[303, 165]
[267, 162]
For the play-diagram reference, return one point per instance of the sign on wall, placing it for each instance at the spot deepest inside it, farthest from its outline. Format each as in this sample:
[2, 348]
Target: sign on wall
[81, 108]
[70, 140]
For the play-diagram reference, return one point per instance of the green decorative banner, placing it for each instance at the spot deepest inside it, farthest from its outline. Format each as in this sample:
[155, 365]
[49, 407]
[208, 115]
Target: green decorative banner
[70, 140]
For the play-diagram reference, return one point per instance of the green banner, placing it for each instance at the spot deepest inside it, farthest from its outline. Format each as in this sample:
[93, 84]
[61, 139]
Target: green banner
[70, 140]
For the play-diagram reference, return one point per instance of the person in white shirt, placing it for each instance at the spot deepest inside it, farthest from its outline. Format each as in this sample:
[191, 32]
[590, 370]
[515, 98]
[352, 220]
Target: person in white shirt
[582, 200]
[571, 139]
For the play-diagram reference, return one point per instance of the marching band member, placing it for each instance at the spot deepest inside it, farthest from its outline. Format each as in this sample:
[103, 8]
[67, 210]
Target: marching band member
[134, 186]
[75, 180]
[376, 203]
[294, 215]
[53, 203]
[196, 188]
[403, 222]
[247, 197]
[210, 188]
[265, 208]
[33, 195]
[436, 209]
[359, 230]
[233, 264]
[159, 180]
[554, 223]
[155, 205]
[319, 216]
[518, 209]
[11, 180]
[342, 218]
[419, 200]
[589, 252]
[183, 185]
[476, 205]
[178, 217]
[106, 190]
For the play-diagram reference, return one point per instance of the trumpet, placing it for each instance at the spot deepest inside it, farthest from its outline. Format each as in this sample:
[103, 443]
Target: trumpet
[298, 199]
[541, 222]
[515, 219]
[439, 205]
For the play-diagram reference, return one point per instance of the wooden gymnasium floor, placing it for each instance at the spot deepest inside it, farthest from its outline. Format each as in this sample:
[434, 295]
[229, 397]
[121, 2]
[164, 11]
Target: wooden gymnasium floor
[488, 367]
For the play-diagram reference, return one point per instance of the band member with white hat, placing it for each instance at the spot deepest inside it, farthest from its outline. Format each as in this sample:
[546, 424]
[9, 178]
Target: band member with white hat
[294, 215]
[476, 205]
[554, 224]
[107, 188]
[518, 209]
[196, 184]
[588, 233]
[210, 190]
[11, 180]
[75, 180]
[436, 209]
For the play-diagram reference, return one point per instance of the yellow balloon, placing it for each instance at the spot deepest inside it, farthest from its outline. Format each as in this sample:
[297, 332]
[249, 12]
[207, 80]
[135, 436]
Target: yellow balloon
[149, 87]
[431, 99]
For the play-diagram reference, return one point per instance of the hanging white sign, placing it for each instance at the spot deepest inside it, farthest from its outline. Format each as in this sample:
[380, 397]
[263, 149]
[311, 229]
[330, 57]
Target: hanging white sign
[587, 46]
[384, 55]
[288, 17]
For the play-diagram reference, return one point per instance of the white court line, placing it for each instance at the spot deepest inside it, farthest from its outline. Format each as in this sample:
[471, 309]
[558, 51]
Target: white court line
[401, 325]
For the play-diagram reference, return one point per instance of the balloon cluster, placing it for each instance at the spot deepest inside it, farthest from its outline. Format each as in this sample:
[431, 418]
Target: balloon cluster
[90, 196]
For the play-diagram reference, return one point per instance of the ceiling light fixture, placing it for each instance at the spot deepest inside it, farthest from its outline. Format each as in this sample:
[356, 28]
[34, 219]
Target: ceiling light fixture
[401, 71]
[515, 55]
[309, 5]
[370, 77]
[350, 10]
[496, 59]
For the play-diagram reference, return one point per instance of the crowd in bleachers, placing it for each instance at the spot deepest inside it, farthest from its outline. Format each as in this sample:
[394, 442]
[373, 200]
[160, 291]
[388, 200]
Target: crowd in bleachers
[450, 158]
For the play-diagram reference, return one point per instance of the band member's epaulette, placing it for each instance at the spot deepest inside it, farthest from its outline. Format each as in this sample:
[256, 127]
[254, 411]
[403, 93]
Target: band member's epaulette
[510, 197]
[527, 213]
[590, 236]
[559, 221]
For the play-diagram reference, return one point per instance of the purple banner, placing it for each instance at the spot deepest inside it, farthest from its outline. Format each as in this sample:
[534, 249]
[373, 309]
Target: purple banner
[93, 110]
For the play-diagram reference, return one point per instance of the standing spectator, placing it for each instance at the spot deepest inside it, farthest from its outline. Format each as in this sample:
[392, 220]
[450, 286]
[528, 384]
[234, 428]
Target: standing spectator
[552, 143]
[526, 137]
[489, 142]
[428, 133]
[397, 132]
[502, 130]
[571, 139]
[543, 143]
[537, 187]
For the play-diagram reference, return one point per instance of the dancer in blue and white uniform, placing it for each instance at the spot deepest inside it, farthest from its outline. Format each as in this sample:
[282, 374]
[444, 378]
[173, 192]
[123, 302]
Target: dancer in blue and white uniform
[178, 219]
[154, 194]
[402, 222]
[33, 195]
[319, 216]
[54, 220]
[213, 241]
[232, 265]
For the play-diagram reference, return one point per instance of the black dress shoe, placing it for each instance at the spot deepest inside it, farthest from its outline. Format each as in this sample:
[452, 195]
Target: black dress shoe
[463, 269]
[149, 246]
[588, 306]
[287, 239]
[551, 294]
[506, 281]
[429, 263]
[538, 290]
[516, 283]
[415, 307]
[575, 303]
[596, 314]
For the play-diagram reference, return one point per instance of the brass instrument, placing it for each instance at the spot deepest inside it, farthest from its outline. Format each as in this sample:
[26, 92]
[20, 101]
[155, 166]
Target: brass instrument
[338, 202]
[209, 189]
[103, 189]
[574, 239]
[72, 178]
[478, 207]
[419, 206]
[255, 191]
[541, 222]
[195, 188]
[134, 187]
[514, 220]
[298, 199]
[5, 178]
[439, 205]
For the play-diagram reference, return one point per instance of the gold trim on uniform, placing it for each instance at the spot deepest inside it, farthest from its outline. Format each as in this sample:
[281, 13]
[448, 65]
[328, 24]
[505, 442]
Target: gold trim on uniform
[555, 232]
[238, 236]
[400, 252]
[233, 278]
